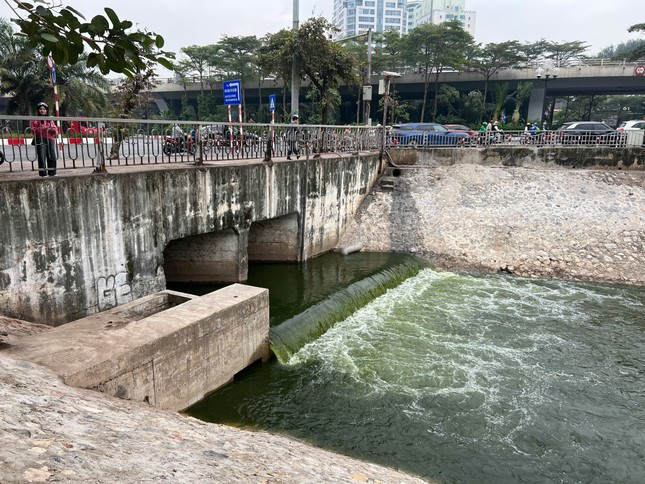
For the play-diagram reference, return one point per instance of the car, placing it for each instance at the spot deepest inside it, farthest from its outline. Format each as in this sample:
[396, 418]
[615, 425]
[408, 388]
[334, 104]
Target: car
[461, 128]
[587, 133]
[426, 134]
[631, 125]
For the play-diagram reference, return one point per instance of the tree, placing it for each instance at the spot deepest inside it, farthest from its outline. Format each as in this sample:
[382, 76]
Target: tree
[435, 47]
[622, 50]
[199, 58]
[131, 93]
[638, 52]
[63, 32]
[500, 96]
[521, 94]
[563, 51]
[490, 59]
[534, 51]
[238, 58]
[25, 76]
[324, 62]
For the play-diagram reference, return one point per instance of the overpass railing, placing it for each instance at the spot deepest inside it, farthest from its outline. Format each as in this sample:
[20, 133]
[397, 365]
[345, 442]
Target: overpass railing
[105, 142]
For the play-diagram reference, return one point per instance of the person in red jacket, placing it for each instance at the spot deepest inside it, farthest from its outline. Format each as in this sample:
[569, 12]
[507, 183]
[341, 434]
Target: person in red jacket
[45, 141]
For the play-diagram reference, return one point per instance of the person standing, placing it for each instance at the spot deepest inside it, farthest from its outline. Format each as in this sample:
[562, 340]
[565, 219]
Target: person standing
[45, 141]
[292, 138]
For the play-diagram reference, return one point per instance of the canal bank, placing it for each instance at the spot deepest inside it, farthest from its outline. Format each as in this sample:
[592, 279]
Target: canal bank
[537, 221]
[52, 432]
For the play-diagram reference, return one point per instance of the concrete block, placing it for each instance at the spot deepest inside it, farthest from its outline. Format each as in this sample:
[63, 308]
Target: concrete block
[172, 358]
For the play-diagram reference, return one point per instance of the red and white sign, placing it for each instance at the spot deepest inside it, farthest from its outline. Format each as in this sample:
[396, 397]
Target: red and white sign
[639, 70]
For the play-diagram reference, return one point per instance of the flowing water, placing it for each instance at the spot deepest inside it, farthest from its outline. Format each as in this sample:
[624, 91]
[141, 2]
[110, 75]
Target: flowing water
[454, 377]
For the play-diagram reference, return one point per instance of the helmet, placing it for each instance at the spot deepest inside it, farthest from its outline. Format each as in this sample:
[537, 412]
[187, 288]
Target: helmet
[295, 116]
[41, 104]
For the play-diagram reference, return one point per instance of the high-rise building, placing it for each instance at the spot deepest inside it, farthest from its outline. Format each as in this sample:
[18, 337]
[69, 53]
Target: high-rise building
[439, 11]
[354, 17]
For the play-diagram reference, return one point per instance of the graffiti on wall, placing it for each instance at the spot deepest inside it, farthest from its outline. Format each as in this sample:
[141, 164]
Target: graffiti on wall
[113, 290]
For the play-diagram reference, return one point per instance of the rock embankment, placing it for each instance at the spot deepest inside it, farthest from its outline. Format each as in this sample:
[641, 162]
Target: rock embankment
[52, 432]
[554, 223]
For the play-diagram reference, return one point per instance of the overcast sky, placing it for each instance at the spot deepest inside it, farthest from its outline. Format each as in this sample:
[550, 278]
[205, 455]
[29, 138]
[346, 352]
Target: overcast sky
[182, 23]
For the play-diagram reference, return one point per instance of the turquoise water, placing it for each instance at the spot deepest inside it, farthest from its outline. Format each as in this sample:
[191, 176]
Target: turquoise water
[464, 378]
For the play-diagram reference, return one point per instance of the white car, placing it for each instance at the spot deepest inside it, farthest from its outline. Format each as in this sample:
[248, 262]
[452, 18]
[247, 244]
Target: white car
[631, 125]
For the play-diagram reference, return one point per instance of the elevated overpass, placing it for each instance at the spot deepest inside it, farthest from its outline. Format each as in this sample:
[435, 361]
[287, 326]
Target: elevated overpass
[593, 78]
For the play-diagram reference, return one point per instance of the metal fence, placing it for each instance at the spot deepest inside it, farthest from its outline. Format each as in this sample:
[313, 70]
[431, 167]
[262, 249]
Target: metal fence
[442, 139]
[103, 142]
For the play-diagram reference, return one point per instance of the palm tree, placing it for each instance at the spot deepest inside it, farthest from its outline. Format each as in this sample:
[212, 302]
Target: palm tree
[25, 77]
[23, 73]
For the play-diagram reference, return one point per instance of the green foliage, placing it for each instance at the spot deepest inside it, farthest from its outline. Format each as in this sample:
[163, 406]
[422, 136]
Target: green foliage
[435, 47]
[187, 110]
[500, 96]
[521, 95]
[561, 52]
[64, 32]
[638, 52]
[622, 50]
[322, 61]
[491, 58]
[25, 77]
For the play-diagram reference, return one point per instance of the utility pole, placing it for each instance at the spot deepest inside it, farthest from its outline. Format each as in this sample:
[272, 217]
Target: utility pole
[367, 103]
[295, 79]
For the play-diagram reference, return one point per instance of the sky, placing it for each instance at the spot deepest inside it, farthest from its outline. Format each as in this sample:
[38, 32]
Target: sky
[599, 22]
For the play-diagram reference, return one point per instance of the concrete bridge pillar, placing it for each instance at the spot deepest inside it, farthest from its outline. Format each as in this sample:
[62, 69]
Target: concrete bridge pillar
[160, 102]
[211, 258]
[536, 104]
[275, 239]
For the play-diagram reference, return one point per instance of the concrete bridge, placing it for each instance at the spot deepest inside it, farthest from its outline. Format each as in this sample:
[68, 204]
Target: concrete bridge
[76, 245]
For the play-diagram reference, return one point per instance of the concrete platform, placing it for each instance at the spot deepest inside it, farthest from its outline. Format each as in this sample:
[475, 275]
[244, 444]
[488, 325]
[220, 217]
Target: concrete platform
[169, 349]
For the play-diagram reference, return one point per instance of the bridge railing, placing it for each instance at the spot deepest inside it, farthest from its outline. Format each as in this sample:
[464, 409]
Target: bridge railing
[105, 142]
[430, 139]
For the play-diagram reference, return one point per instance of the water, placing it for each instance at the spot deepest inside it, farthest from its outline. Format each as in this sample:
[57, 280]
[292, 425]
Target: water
[464, 378]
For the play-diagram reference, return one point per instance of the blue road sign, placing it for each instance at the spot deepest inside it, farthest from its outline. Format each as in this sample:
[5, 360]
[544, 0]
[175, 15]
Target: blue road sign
[272, 102]
[232, 92]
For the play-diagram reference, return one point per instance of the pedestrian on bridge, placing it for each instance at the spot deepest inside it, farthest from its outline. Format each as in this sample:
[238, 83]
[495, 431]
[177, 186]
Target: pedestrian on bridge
[293, 133]
[44, 140]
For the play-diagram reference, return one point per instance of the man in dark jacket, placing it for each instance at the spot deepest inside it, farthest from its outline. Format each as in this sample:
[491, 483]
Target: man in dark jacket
[293, 132]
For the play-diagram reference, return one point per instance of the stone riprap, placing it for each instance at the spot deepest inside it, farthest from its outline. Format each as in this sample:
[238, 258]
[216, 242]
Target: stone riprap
[52, 432]
[537, 222]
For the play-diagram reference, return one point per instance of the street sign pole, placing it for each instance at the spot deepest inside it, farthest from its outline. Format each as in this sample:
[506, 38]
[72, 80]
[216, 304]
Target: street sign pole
[51, 65]
[239, 110]
[271, 140]
[230, 127]
[232, 91]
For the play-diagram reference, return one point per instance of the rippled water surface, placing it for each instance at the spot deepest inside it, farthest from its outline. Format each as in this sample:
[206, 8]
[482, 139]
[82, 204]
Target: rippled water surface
[466, 379]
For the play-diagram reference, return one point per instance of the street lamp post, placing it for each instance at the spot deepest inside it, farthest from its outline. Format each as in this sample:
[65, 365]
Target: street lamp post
[548, 71]
[387, 77]
[295, 78]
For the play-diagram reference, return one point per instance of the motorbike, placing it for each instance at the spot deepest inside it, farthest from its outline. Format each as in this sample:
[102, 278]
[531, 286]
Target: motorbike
[179, 145]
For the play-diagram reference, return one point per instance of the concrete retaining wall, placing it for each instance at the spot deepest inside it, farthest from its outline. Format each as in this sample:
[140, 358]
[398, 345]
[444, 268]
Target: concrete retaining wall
[168, 349]
[468, 209]
[73, 246]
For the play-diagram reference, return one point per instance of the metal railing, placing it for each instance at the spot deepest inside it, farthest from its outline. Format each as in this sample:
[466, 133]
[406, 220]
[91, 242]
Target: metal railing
[105, 142]
[429, 139]
[101, 143]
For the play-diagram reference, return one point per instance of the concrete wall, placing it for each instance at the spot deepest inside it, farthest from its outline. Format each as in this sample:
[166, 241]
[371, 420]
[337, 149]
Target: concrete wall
[74, 246]
[539, 217]
[168, 349]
